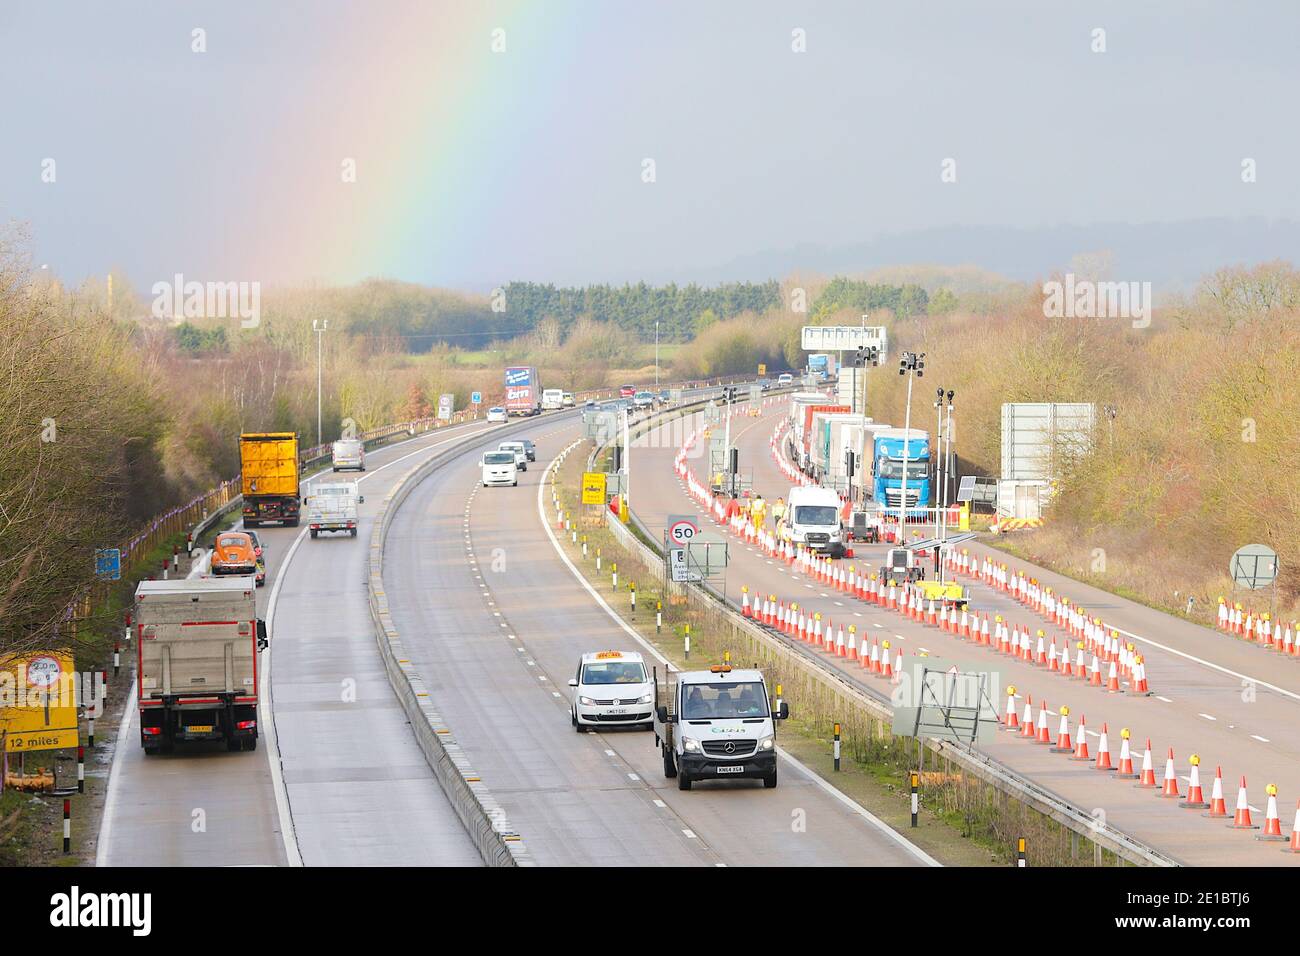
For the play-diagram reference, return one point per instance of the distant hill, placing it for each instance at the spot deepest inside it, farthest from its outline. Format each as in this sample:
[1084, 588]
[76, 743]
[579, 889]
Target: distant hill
[1173, 256]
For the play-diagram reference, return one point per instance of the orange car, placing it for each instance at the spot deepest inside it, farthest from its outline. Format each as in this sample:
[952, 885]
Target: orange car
[234, 553]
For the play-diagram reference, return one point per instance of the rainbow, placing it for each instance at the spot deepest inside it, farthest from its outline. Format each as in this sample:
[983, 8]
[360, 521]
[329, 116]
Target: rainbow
[417, 96]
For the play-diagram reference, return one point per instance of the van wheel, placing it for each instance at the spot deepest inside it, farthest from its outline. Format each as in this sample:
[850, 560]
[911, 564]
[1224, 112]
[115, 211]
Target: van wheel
[313, 532]
[515, 483]
[250, 743]
[354, 532]
[670, 767]
[683, 781]
[233, 743]
[770, 781]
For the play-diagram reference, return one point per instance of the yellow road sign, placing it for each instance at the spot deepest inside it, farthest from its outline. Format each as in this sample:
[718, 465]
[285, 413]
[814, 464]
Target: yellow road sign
[593, 488]
[38, 706]
[762, 369]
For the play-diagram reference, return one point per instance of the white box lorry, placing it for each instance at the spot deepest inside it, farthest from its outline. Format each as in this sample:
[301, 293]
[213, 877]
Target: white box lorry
[717, 724]
[332, 506]
[198, 641]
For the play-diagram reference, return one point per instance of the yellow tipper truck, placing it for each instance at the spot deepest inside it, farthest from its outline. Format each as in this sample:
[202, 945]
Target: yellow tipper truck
[268, 463]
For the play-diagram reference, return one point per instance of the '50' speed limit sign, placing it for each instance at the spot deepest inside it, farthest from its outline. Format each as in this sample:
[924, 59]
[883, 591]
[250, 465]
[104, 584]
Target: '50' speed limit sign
[682, 530]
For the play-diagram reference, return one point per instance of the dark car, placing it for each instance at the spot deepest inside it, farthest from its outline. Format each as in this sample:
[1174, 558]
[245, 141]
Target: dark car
[529, 449]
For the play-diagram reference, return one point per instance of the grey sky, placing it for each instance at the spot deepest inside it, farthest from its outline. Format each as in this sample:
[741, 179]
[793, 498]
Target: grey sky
[170, 161]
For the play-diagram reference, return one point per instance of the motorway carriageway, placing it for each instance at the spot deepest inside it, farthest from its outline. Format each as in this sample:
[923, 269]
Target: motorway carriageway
[347, 776]
[495, 622]
[1231, 703]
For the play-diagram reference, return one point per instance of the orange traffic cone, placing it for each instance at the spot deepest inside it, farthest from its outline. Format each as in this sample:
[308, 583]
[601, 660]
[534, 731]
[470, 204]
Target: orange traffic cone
[1103, 751]
[1095, 678]
[744, 602]
[1081, 748]
[1217, 807]
[1272, 825]
[1148, 778]
[1295, 832]
[1027, 725]
[1125, 758]
[1063, 742]
[1195, 799]
[1170, 788]
[1044, 735]
[1112, 683]
[1241, 820]
[1012, 719]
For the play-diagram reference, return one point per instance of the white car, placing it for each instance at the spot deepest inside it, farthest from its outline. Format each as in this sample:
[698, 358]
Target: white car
[500, 468]
[568, 400]
[611, 689]
[785, 380]
[496, 414]
[520, 451]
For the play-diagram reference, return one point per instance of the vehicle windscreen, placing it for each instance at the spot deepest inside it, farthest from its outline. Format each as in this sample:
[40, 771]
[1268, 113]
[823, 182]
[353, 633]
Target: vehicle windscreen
[893, 468]
[614, 672]
[815, 514]
[232, 541]
[712, 702]
[333, 488]
[499, 458]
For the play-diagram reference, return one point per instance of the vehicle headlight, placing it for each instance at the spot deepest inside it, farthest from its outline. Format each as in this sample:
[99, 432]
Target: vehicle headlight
[645, 699]
[690, 746]
[766, 743]
[586, 701]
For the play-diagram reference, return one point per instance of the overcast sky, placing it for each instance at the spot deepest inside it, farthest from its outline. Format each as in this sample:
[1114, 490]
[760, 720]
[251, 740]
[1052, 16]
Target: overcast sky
[476, 166]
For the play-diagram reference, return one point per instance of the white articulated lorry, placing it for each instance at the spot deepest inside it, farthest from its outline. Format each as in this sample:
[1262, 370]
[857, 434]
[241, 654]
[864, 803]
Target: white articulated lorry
[717, 724]
[198, 641]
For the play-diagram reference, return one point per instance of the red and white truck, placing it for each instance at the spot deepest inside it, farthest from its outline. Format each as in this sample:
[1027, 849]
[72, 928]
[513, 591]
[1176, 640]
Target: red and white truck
[198, 642]
[523, 391]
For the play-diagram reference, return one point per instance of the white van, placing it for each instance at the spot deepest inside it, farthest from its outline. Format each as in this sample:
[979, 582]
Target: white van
[500, 468]
[552, 399]
[812, 518]
[611, 689]
[718, 724]
[349, 453]
[520, 451]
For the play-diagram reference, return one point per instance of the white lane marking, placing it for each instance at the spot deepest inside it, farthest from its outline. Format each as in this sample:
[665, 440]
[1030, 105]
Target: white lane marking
[267, 717]
[1208, 716]
[114, 781]
[1165, 699]
[609, 753]
[632, 776]
[863, 812]
[661, 805]
[1262, 740]
[654, 651]
[690, 834]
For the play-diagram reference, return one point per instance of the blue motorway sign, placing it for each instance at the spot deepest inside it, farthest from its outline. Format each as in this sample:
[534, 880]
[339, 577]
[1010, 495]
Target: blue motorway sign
[108, 564]
[476, 397]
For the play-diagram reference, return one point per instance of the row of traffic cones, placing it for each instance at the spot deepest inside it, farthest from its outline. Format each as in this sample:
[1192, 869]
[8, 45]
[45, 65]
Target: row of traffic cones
[1027, 728]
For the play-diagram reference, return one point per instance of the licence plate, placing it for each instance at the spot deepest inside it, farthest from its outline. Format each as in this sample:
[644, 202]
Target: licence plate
[735, 769]
[616, 710]
[199, 728]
